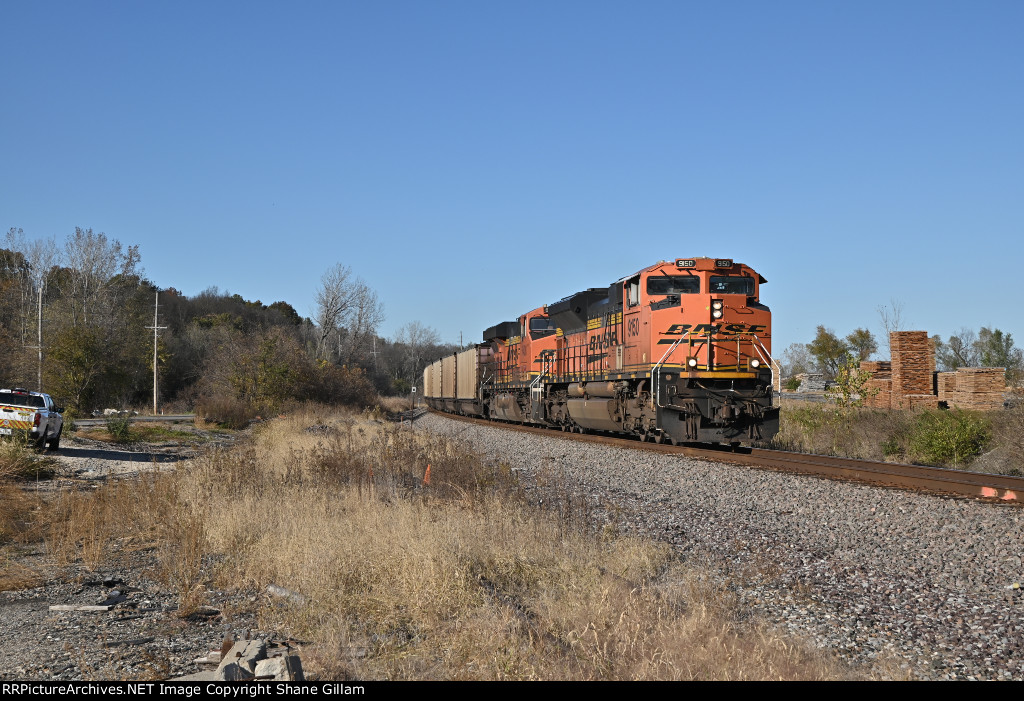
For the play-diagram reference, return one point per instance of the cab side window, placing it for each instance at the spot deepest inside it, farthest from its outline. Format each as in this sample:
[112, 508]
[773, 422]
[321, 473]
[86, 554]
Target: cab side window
[633, 292]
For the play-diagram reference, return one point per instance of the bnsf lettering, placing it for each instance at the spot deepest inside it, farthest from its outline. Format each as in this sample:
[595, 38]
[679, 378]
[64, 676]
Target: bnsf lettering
[713, 329]
[604, 340]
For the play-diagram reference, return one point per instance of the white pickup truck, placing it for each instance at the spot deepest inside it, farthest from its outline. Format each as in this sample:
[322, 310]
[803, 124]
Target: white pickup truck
[31, 415]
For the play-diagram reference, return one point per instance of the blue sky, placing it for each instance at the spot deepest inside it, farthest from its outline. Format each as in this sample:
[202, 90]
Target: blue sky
[473, 160]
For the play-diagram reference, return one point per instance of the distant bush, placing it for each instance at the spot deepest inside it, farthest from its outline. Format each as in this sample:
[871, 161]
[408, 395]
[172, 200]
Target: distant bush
[343, 386]
[120, 429]
[949, 438]
[226, 412]
[792, 384]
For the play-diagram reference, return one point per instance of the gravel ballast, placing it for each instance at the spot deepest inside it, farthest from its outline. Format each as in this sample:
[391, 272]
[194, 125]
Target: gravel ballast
[898, 583]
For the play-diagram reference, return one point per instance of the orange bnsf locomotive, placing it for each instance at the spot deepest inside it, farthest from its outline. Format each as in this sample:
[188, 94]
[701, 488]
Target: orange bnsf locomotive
[679, 352]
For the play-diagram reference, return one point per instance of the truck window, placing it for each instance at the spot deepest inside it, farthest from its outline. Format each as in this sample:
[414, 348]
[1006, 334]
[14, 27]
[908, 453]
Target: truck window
[25, 400]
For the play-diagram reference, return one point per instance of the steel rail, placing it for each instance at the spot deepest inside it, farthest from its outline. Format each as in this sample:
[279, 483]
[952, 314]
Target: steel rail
[941, 480]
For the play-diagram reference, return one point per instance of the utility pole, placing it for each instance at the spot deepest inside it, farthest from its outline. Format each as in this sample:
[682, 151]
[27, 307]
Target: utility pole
[39, 342]
[156, 310]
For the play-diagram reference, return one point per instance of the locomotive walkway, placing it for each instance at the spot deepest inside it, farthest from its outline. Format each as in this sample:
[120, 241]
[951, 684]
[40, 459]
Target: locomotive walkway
[977, 485]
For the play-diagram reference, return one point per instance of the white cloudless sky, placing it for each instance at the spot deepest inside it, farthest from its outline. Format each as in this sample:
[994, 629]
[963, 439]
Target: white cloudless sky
[471, 161]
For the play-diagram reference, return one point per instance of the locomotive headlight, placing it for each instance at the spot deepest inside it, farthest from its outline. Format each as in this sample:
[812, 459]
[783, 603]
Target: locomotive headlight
[717, 313]
[716, 304]
[692, 362]
[755, 363]
[716, 308]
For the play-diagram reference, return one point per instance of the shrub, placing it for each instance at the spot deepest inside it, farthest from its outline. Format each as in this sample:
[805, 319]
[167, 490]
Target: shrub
[120, 429]
[792, 384]
[949, 438]
[226, 412]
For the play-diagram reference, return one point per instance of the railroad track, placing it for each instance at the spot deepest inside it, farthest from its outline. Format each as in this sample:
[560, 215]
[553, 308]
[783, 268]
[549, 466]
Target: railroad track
[977, 485]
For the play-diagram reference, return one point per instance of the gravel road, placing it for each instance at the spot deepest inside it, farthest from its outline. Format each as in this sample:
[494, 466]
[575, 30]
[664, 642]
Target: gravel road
[897, 583]
[142, 636]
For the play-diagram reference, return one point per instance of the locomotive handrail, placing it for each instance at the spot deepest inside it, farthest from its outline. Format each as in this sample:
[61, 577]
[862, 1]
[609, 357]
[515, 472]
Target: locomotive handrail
[765, 355]
[656, 378]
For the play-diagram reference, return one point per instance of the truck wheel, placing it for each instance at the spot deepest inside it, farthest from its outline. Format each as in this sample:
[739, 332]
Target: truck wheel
[54, 443]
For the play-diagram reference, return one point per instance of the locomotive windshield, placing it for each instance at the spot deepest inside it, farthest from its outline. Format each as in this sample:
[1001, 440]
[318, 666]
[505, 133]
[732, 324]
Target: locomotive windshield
[673, 285]
[732, 285]
[541, 326]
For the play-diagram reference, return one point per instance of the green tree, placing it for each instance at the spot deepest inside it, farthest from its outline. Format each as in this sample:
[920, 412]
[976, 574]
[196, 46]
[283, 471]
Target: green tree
[77, 361]
[997, 350]
[851, 386]
[862, 344]
[829, 351]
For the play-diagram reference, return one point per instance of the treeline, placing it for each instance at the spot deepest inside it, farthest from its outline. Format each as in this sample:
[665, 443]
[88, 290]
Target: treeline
[829, 353]
[76, 320]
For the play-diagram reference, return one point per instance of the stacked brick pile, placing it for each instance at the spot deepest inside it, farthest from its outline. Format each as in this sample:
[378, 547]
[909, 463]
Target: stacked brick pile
[913, 364]
[910, 380]
[881, 380]
[945, 385]
[811, 382]
[978, 388]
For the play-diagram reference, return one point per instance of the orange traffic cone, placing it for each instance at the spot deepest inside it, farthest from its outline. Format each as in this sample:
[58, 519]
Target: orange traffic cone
[426, 476]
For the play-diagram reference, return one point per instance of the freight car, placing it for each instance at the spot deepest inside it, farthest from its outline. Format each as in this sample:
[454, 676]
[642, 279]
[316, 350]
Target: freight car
[678, 352]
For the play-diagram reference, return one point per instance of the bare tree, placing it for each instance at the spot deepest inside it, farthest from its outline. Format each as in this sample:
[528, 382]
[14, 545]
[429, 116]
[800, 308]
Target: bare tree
[94, 263]
[892, 320]
[40, 255]
[348, 314]
[332, 305]
[416, 339]
[366, 315]
[961, 351]
[797, 359]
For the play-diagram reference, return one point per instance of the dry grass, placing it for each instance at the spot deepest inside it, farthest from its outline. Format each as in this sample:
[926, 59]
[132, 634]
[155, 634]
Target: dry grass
[460, 578]
[395, 405]
[18, 462]
[14, 575]
[87, 526]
